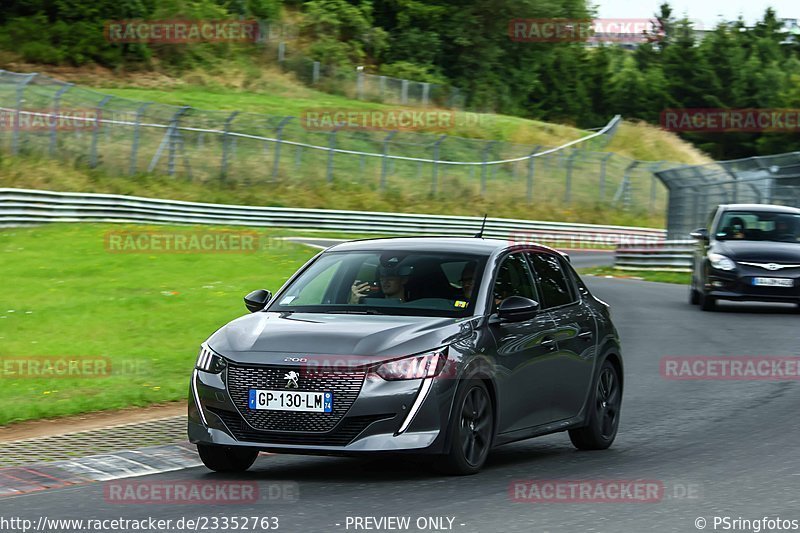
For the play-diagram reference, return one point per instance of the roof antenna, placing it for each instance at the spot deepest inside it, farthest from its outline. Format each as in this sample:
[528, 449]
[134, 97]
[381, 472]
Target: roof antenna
[479, 235]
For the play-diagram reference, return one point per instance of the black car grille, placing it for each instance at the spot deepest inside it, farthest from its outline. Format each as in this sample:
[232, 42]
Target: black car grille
[344, 384]
[342, 435]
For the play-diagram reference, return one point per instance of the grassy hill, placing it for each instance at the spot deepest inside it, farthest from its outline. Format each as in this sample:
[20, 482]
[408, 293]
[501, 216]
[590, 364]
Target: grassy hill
[355, 186]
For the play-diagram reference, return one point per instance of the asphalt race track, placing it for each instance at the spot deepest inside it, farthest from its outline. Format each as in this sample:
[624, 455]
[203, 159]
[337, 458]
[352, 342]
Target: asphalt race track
[718, 448]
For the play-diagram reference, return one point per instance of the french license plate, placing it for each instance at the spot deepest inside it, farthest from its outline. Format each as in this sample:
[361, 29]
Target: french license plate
[281, 400]
[773, 282]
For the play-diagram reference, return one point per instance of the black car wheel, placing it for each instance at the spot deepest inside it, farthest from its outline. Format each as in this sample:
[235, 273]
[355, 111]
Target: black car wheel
[470, 431]
[226, 458]
[603, 418]
[707, 303]
[694, 295]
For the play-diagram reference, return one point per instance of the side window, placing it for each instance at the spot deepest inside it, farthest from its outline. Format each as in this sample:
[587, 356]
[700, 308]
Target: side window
[513, 279]
[553, 280]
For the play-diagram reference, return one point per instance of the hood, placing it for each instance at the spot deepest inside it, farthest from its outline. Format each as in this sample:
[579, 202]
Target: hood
[269, 338]
[761, 251]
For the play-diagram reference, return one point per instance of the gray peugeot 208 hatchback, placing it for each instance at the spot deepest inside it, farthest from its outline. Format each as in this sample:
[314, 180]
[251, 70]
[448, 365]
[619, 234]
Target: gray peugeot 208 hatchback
[439, 346]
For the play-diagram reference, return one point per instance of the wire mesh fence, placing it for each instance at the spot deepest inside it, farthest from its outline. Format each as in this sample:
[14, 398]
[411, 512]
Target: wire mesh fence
[43, 116]
[356, 84]
[695, 191]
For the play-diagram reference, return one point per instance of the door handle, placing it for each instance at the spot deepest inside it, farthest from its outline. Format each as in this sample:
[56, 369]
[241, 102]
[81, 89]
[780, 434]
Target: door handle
[585, 334]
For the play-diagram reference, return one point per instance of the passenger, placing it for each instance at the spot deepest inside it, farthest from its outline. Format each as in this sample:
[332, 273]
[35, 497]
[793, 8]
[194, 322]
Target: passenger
[467, 281]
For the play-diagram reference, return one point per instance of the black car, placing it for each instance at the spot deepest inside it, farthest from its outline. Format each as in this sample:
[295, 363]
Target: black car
[439, 346]
[749, 252]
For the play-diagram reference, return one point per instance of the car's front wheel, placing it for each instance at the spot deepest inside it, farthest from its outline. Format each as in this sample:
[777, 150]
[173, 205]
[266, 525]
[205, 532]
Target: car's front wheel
[470, 430]
[603, 418]
[226, 458]
[707, 303]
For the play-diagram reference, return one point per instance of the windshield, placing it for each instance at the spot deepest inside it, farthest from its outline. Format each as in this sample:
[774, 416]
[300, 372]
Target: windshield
[391, 283]
[758, 226]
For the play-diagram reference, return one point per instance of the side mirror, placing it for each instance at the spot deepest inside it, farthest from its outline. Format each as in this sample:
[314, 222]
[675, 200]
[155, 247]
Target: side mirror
[257, 300]
[517, 309]
[701, 234]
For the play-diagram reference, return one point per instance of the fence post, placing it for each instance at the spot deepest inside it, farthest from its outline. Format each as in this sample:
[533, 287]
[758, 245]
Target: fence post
[135, 143]
[531, 165]
[223, 171]
[404, 92]
[360, 85]
[281, 52]
[277, 151]
[623, 192]
[385, 158]
[20, 91]
[436, 146]
[568, 185]
[654, 168]
[315, 73]
[96, 131]
[485, 166]
[56, 107]
[603, 176]
[331, 152]
[382, 87]
[174, 135]
[426, 90]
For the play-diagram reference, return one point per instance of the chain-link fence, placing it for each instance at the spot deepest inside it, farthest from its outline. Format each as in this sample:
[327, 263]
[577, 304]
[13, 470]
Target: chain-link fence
[354, 83]
[43, 116]
[694, 191]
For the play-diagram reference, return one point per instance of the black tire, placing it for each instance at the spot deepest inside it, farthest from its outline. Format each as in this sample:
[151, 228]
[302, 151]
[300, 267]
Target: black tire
[226, 458]
[604, 408]
[694, 296]
[470, 430]
[707, 303]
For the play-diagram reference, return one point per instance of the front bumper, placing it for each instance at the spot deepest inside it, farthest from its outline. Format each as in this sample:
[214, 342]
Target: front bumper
[738, 285]
[371, 424]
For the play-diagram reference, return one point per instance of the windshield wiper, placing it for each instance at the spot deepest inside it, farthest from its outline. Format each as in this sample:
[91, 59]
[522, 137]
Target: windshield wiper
[370, 311]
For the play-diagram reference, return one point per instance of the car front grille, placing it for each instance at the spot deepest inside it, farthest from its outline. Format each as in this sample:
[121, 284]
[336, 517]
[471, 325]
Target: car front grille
[345, 385]
[349, 428]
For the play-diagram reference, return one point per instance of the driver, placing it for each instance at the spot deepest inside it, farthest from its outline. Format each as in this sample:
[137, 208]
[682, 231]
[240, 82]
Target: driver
[737, 228]
[392, 280]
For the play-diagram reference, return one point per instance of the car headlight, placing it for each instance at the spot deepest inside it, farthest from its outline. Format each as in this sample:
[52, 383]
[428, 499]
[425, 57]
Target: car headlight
[720, 262]
[209, 361]
[415, 367]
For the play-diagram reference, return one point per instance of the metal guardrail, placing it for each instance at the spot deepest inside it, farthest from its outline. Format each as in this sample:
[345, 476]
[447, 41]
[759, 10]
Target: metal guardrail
[19, 207]
[666, 255]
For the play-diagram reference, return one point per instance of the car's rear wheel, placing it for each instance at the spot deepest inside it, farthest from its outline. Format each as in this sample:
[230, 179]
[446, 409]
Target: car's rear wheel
[226, 458]
[603, 419]
[470, 430]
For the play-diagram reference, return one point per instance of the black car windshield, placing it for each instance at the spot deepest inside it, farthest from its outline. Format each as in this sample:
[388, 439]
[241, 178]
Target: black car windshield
[417, 283]
[759, 226]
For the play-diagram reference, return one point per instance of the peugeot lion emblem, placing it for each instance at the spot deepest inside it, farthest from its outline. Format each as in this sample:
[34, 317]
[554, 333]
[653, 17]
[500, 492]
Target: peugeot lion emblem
[291, 378]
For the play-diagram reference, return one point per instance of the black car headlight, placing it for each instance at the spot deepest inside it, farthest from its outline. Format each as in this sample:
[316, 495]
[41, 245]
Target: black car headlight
[209, 361]
[721, 262]
[415, 367]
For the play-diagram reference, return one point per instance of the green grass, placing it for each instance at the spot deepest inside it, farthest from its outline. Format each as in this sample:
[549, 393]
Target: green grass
[65, 295]
[682, 278]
